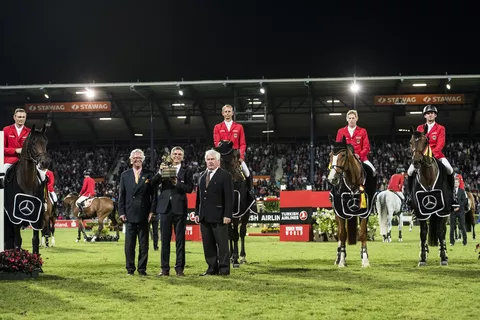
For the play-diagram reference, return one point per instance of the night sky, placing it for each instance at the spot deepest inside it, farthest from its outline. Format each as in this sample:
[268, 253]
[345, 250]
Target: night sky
[116, 41]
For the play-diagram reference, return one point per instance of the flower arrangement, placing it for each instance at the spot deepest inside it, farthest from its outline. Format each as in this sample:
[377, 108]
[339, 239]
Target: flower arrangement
[20, 260]
[271, 204]
[271, 230]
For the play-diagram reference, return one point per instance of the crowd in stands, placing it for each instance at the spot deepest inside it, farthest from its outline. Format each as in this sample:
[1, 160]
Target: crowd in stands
[273, 165]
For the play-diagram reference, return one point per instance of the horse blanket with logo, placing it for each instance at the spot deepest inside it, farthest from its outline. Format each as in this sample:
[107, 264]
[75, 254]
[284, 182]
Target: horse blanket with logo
[347, 203]
[437, 201]
[22, 208]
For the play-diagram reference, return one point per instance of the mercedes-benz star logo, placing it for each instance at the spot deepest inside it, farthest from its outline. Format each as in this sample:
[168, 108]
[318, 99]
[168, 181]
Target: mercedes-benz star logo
[26, 207]
[429, 202]
[353, 204]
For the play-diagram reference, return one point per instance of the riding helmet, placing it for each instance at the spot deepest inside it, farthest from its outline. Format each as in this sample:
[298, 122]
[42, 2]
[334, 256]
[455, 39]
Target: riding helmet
[430, 108]
[400, 169]
[86, 173]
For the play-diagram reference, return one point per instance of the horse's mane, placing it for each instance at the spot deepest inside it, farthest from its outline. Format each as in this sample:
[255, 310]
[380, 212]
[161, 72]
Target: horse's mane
[417, 134]
[338, 147]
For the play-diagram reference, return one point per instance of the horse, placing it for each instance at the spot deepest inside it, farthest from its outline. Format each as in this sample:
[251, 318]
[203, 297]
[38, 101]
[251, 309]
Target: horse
[431, 194]
[49, 222]
[100, 207]
[243, 201]
[352, 196]
[24, 191]
[470, 214]
[389, 204]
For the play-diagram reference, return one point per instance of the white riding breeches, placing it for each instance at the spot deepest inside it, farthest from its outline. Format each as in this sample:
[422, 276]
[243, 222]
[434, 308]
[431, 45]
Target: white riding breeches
[368, 163]
[444, 161]
[245, 170]
[53, 197]
[80, 199]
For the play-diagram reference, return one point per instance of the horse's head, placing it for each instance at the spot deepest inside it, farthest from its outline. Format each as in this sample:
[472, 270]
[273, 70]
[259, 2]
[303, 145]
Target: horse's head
[340, 157]
[35, 147]
[229, 155]
[419, 146]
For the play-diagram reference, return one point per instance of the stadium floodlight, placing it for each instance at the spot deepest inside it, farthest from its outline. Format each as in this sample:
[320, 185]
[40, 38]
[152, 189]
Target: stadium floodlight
[138, 134]
[333, 101]
[354, 87]
[262, 90]
[258, 116]
[180, 92]
[178, 104]
[182, 117]
[46, 96]
[334, 114]
[419, 85]
[415, 112]
[448, 86]
[268, 131]
[403, 130]
[105, 119]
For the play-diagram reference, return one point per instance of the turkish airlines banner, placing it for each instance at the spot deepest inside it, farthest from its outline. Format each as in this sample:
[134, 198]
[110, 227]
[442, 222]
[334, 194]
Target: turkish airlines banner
[413, 99]
[85, 106]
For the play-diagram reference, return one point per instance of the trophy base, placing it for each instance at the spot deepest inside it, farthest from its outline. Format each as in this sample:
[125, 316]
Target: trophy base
[169, 172]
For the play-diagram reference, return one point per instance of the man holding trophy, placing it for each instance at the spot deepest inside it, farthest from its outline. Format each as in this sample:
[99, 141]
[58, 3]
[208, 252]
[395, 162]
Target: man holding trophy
[172, 183]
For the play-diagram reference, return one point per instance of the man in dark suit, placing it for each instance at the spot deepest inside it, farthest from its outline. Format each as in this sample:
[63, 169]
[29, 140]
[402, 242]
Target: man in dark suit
[136, 205]
[459, 203]
[213, 210]
[172, 211]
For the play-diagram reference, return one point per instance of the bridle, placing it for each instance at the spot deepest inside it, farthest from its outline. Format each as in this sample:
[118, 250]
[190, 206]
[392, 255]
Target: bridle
[426, 153]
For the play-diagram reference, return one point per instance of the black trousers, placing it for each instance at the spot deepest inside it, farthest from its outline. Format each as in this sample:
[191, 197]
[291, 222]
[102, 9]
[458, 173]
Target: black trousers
[215, 247]
[134, 231]
[167, 220]
[462, 227]
[154, 234]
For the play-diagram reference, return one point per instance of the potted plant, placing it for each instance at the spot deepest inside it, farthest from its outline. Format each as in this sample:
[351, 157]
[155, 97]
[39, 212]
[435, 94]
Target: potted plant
[18, 264]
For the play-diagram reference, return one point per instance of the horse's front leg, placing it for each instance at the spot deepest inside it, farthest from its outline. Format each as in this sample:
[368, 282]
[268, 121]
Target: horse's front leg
[235, 262]
[99, 231]
[400, 226]
[363, 239]
[423, 243]
[243, 234]
[342, 237]
[36, 242]
[441, 227]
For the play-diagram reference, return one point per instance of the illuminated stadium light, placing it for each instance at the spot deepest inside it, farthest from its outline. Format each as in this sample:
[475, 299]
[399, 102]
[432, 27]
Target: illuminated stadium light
[178, 104]
[105, 119]
[403, 130]
[180, 92]
[448, 86]
[182, 117]
[268, 131]
[46, 96]
[354, 87]
[138, 134]
[262, 90]
[255, 102]
[419, 84]
[415, 112]
[333, 101]
[334, 114]
[258, 116]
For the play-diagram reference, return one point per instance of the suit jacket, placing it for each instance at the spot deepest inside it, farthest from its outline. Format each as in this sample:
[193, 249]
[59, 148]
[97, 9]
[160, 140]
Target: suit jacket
[462, 201]
[166, 192]
[136, 201]
[215, 202]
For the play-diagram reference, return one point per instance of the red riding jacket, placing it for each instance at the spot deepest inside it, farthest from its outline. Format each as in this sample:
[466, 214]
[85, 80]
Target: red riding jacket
[13, 141]
[436, 139]
[236, 135]
[88, 189]
[359, 140]
[396, 182]
[51, 181]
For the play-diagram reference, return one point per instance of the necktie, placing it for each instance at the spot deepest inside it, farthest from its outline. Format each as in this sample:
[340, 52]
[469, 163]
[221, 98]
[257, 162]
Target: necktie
[136, 177]
[208, 178]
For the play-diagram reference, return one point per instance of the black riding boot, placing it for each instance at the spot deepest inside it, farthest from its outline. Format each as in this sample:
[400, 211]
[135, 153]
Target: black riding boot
[54, 210]
[451, 181]
[80, 212]
[408, 199]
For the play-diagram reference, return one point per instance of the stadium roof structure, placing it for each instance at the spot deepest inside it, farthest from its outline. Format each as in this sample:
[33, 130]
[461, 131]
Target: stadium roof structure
[288, 107]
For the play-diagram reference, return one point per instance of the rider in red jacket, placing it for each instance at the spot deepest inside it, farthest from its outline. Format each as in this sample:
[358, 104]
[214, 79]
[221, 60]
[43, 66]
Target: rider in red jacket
[88, 191]
[15, 136]
[357, 137]
[51, 188]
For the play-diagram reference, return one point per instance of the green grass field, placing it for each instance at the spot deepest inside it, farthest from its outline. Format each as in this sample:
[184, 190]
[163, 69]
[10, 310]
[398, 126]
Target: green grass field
[282, 280]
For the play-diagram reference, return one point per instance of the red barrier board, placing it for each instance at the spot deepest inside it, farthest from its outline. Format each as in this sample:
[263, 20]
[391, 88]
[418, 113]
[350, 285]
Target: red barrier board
[295, 232]
[192, 233]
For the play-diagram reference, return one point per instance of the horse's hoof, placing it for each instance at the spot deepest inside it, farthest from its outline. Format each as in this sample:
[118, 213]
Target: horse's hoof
[341, 265]
[366, 265]
[400, 239]
[77, 240]
[243, 261]
[444, 263]
[422, 264]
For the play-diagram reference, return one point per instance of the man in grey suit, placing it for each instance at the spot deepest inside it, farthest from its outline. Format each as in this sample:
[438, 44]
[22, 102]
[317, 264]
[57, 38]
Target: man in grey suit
[459, 204]
[213, 211]
[136, 204]
[172, 211]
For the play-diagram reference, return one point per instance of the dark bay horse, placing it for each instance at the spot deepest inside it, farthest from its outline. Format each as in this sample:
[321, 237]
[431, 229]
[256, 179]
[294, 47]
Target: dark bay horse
[243, 202]
[49, 222]
[101, 207]
[25, 191]
[431, 196]
[470, 220]
[352, 198]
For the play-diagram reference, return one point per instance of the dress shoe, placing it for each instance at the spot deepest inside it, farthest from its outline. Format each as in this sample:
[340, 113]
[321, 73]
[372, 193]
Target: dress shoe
[142, 273]
[163, 274]
[207, 274]
[180, 273]
[155, 248]
[129, 273]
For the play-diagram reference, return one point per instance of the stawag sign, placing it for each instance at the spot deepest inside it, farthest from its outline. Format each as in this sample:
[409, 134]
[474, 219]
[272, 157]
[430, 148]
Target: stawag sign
[415, 99]
[84, 106]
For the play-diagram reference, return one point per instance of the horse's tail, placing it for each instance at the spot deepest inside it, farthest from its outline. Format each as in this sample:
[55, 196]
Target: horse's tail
[432, 230]
[352, 230]
[112, 215]
[382, 212]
